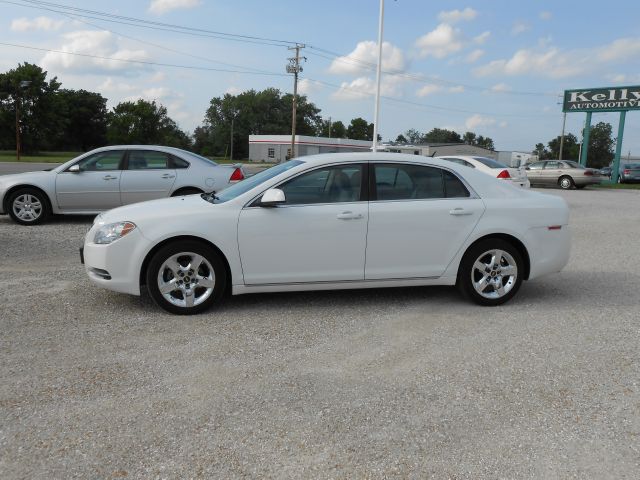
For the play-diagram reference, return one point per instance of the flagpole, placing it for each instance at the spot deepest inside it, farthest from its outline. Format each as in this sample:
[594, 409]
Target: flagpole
[378, 75]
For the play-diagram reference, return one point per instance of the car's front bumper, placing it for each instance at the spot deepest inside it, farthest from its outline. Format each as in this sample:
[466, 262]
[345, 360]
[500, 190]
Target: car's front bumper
[115, 266]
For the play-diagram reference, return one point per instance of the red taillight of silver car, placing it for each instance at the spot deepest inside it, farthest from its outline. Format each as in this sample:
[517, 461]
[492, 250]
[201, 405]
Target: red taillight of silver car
[504, 174]
[237, 175]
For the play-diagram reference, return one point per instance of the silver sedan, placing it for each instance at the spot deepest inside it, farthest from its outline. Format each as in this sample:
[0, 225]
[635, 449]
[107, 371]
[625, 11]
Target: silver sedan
[109, 177]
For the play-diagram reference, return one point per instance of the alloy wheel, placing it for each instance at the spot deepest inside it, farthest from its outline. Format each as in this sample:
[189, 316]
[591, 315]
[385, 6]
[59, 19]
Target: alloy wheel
[186, 279]
[27, 207]
[494, 274]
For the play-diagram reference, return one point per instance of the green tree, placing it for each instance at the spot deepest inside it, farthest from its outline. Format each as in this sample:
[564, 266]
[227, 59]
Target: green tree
[40, 108]
[85, 125]
[401, 139]
[360, 129]
[145, 123]
[413, 136]
[266, 112]
[338, 130]
[570, 148]
[442, 135]
[469, 138]
[601, 145]
[485, 142]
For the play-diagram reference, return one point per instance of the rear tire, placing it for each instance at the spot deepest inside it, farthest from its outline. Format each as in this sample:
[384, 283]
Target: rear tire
[491, 272]
[580, 187]
[566, 182]
[186, 277]
[28, 206]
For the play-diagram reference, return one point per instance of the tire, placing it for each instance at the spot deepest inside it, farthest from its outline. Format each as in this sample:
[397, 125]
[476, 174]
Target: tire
[28, 206]
[620, 181]
[195, 289]
[186, 191]
[566, 182]
[496, 287]
[580, 187]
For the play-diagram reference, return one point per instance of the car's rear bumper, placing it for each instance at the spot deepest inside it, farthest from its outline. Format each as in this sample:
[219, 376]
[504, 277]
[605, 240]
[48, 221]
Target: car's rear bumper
[588, 180]
[549, 249]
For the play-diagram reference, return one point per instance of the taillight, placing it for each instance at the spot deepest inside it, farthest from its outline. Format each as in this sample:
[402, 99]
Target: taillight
[236, 176]
[504, 174]
[627, 172]
[588, 173]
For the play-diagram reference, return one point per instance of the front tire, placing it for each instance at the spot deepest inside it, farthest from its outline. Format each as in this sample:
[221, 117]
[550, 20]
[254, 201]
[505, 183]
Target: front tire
[566, 182]
[28, 206]
[491, 272]
[186, 277]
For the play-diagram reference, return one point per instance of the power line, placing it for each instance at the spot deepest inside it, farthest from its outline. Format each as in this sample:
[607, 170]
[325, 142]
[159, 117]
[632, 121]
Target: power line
[136, 22]
[144, 62]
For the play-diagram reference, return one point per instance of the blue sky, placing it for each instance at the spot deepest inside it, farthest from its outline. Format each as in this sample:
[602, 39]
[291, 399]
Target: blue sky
[493, 67]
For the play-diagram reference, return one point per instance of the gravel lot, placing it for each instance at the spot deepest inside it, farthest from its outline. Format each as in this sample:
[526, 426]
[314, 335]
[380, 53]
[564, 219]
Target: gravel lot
[408, 383]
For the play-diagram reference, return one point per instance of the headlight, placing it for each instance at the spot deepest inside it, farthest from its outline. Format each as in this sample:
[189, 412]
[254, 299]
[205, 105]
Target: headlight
[112, 232]
[98, 217]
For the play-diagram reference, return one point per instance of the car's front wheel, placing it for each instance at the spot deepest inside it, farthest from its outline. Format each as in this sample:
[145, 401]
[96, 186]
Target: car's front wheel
[28, 206]
[186, 277]
[491, 272]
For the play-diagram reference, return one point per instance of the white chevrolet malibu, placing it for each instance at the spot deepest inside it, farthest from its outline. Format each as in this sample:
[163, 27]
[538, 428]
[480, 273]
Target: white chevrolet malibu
[333, 221]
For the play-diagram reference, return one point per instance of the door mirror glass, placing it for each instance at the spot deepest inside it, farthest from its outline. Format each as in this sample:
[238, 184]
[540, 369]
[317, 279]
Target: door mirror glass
[74, 168]
[272, 197]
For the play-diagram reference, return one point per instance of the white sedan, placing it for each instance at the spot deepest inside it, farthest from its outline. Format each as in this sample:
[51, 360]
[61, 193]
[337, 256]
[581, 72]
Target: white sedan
[333, 221]
[108, 177]
[517, 176]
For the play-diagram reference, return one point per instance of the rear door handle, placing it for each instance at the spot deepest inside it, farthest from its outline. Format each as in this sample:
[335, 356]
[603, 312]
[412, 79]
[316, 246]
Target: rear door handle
[110, 177]
[349, 216]
[166, 175]
[460, 211]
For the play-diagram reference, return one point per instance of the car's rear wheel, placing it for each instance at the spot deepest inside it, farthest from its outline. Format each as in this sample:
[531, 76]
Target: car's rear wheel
[186, 277]
[491, 272]
[28, 206]
[566, 183]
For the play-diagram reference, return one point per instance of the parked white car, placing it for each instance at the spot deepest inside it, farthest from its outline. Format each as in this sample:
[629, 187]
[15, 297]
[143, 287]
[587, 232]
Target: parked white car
[517, 176]
[108, 177]
[333, 221]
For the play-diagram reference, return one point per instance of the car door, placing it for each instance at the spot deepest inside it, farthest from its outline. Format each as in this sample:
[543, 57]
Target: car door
[95, 186]
[551, 172]
[534, 172]
[419, 217]
[148, 175]
[318, 235]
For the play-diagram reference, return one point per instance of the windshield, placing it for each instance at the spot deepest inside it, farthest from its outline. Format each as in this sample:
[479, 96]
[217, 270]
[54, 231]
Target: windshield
[199, 156]
[489, 162]
[251, 182]
[573, 164]
[632, 165]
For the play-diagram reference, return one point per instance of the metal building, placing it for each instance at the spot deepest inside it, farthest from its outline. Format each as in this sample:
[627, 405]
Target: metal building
[440, 149]
[277, 148]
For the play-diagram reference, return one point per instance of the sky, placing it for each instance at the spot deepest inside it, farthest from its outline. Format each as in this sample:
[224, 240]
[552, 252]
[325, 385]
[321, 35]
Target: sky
[494, 67]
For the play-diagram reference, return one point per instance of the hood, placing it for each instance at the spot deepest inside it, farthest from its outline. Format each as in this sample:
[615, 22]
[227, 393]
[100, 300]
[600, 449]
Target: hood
[156, 210]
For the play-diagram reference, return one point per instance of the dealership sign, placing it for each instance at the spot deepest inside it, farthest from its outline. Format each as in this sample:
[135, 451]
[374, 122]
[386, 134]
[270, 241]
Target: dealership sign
[602, 99]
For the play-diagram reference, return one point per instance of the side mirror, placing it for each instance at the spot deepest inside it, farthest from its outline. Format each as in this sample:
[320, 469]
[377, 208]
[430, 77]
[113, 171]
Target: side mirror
[272, 198]
[74, 168]
[527, 168]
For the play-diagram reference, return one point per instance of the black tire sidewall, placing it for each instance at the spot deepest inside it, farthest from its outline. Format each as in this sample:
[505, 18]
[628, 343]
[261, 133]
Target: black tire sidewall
[469, 258]
[186, 246]
[36, 193]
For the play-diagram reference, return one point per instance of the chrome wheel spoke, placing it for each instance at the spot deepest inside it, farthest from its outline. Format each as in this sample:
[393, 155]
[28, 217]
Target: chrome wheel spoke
[189, 298]
[169, 286]
[482, 284]
[195, 263]
[205, 282]
[481, 267]
[509, 270]
[500, 290]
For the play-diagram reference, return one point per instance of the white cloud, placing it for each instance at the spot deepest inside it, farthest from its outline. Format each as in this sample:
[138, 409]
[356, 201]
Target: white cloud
[428, 90]
[158, 93]
[39, 23]
[623, 78]
[555, 63]
[474, 56]
[163, 6]
[456, 89]
[94, 42]
[441, 42]
[365, 56]
[503, 124]
[158, 77]
[500, 88]
[363, 87]
[546, 15]
[454, 16]
[519, 27]
[307, 86]
[482, 38]
[477, 120]
[233, 90]
[110, 85]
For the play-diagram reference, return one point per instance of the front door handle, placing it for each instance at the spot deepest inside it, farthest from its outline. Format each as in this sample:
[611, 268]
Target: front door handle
[460, 211]
[166, 175]
[110, 177]
[349, 216]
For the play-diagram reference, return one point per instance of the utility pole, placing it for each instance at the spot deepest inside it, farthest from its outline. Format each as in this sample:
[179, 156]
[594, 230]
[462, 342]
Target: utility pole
[232, 119]
[378, 75]
[564, 121]
[295, 68]
[329, 127]
[23, 84]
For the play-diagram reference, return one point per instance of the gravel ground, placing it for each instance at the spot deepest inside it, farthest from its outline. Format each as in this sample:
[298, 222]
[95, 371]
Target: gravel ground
[408, 383]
